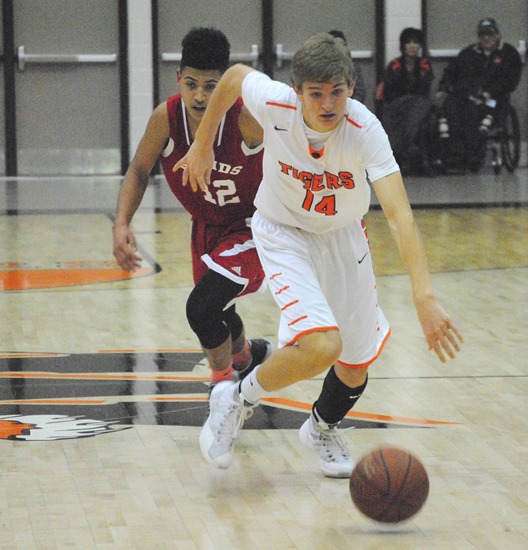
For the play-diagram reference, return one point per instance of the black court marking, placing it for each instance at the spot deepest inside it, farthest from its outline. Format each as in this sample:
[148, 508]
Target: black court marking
[150, 388]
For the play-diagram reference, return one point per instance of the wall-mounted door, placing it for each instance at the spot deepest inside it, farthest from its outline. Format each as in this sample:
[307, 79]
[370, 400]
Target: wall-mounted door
[67, 104]
[293, 24]
[288, 24]
[2, 96]
[241, 23]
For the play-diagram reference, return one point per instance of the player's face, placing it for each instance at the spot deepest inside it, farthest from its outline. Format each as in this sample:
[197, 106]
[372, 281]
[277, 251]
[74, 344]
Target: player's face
[324, 103]
[196, 88]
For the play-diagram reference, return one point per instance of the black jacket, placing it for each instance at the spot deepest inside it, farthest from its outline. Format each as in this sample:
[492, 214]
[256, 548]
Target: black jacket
[398, 81]
[473, 72]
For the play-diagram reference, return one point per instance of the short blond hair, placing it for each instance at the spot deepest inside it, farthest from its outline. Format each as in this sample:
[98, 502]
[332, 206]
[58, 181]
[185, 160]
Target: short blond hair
[322, 58]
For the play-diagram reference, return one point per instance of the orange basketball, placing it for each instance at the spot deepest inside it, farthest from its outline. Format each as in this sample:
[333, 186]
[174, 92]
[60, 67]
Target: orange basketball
[389, 485]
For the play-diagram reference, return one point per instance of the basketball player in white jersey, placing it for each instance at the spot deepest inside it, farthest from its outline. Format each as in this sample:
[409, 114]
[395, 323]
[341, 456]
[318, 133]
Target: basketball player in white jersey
[321, 151]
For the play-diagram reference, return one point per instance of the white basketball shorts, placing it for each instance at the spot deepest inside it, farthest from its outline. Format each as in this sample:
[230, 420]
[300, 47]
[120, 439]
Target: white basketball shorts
[323, 282]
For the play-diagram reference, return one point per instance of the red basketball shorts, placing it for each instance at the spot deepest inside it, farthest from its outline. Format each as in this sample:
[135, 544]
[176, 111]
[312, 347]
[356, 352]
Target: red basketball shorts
[230, 251]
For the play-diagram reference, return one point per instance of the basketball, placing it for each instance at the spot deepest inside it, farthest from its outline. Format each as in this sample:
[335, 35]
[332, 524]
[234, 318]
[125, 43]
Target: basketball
[389, 485]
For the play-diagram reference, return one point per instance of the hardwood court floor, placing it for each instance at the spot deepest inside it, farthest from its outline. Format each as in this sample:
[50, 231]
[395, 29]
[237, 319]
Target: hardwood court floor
[112, 367]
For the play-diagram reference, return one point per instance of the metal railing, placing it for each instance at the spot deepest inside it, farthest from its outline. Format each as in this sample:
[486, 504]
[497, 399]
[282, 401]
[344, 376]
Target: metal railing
[252, 56]
[23, 58]
[282, 55]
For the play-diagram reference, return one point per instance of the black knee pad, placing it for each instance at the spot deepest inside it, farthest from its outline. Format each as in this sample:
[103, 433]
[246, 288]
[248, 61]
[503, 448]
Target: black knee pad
[205, 309]
[234, 322]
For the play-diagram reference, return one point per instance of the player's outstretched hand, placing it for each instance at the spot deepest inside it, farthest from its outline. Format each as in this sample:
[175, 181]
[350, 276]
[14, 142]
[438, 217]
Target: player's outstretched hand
[443, 337]
[125, 248]
[197, 166]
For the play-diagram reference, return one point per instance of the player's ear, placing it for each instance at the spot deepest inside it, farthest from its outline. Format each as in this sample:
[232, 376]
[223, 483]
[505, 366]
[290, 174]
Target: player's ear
[297, 90]
[178, 76]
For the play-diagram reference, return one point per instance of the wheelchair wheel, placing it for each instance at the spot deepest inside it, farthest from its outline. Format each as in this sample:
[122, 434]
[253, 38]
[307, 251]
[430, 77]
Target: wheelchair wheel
[510, 138]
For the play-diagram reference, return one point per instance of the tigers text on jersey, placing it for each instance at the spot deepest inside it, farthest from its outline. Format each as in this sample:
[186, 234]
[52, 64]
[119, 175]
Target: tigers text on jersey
[236, 175]
[314, 194]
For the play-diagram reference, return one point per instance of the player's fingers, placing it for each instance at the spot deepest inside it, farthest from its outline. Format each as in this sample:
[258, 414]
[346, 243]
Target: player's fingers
[445, 343]
[204, 180]
[124, 264]
[133, 263]
[455, 331]
[454, 343]
[448, 348]
[120, 255]
[202, 183]
[137, 258]
[450, 339]
[178, 165]
[185, 177]
[437, 347]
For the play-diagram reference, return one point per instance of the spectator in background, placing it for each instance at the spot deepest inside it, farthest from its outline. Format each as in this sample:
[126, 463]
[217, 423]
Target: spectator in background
[472, 86]
[406, 107]
[360, 91]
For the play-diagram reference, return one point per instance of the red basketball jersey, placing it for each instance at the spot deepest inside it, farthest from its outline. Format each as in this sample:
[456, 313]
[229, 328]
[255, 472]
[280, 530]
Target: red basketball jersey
[235, 178]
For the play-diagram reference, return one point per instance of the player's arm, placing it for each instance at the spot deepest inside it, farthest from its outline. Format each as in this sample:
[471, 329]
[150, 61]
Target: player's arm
[134, 185]
[198, 162]
[251, 130]
[442, 335]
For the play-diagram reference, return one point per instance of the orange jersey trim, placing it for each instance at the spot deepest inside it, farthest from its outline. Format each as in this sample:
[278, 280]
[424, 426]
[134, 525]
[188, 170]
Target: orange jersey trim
[283, 105]
[289, 305]
[363, 365]
[316, 153]
[352, 122]
[310, 331]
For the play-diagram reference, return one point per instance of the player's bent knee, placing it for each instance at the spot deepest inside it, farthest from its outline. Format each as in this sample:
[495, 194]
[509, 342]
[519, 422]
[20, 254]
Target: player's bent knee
[206, 312]
[321, 350]
[206, 321]
[351, 376]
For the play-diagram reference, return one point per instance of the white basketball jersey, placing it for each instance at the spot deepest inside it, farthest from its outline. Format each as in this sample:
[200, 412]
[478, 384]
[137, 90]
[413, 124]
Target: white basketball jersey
[314, 194]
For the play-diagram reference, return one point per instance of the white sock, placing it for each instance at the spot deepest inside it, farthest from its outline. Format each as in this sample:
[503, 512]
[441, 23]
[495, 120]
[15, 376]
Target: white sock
[250, 389]
[317, 422]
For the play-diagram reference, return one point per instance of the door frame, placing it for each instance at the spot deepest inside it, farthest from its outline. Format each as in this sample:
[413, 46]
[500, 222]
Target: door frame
[11, 167]
[10, 63]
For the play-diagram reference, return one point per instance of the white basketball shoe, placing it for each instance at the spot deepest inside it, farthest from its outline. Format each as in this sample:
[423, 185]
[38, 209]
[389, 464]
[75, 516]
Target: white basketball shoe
[330, 445]
[226, 416]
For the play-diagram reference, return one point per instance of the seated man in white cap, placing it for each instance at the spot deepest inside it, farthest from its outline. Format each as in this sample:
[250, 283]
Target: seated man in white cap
[472, 86]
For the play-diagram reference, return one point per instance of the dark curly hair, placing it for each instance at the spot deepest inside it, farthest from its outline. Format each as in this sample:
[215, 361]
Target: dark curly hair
[205, 49]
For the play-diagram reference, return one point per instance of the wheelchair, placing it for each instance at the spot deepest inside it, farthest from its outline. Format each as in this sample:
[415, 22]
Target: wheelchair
[503, 142]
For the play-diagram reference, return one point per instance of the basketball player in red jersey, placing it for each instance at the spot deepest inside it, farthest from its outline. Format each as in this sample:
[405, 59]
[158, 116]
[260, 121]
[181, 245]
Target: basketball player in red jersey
[224, 258]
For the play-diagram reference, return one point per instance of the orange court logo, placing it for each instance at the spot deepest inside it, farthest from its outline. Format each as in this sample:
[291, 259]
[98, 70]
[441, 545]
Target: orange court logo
[15, 276]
